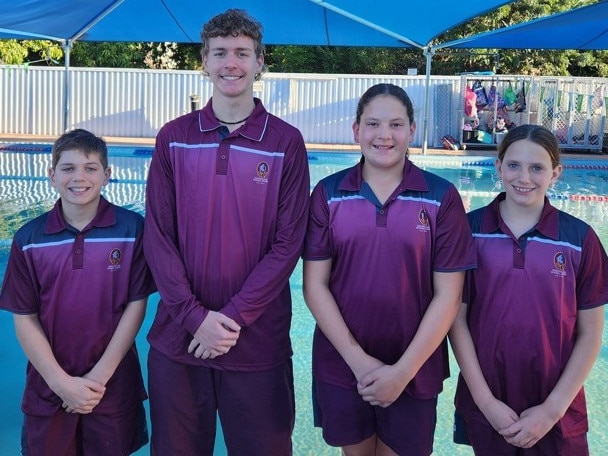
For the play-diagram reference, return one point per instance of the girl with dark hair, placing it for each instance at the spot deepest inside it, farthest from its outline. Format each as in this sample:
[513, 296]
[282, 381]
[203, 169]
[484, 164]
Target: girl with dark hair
[384, 260]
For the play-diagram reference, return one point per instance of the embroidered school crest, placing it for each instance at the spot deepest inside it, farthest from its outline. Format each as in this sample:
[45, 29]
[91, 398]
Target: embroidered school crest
[262, 170]
[559, 265]
[115, 258]
[423, 217]
[423, 221]
[559, 261]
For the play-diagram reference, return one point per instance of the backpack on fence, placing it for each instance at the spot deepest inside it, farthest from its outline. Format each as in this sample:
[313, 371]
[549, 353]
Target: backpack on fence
[450, 143]
[470, 103]
[481, 96]
[509, 95]
[494, 96]
[520, 102]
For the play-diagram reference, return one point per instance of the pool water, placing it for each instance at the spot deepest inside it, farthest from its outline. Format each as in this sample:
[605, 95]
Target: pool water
[25, 193]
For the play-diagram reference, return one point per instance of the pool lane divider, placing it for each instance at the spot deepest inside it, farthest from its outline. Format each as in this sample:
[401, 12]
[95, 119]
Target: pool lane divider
[568, 163]
[44, 148]
[38, 148]
[428, 161]
[556, 196]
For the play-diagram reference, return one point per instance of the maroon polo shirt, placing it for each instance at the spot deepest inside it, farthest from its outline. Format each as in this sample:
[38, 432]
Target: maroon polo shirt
[225, 221]
[79, 283]
[523, 301]
[383, 259]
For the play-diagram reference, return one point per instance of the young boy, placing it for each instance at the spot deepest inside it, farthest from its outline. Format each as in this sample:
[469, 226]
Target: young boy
[77, 284]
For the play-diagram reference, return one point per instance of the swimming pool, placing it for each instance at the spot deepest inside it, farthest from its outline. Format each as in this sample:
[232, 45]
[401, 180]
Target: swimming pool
[25, 192]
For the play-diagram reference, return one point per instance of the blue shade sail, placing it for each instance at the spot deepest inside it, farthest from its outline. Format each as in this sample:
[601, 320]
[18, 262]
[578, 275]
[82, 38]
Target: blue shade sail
[305, 22]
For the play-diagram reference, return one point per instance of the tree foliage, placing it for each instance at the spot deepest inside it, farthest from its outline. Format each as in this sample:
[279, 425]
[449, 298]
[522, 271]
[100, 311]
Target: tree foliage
[30, 52]
[344, 60]
[108, 55]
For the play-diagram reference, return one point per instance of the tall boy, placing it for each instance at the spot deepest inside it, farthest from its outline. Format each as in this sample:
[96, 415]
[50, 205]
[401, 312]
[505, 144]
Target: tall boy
[77, 284]
[226, 208]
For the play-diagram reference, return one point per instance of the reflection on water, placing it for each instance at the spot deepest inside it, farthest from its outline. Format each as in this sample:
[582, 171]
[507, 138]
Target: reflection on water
[25, 193]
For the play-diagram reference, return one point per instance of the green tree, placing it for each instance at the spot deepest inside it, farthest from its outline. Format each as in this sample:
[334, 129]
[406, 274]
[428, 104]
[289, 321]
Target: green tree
[343, 60]
[34, 52]
[107, 55]
[102, 54]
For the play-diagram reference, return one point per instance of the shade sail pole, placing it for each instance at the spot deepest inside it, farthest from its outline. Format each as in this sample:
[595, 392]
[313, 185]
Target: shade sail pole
[428, 53]
[67, 48]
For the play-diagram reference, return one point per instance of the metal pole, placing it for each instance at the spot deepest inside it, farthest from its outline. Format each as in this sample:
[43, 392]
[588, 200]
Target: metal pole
[67, 48]
[428, 53]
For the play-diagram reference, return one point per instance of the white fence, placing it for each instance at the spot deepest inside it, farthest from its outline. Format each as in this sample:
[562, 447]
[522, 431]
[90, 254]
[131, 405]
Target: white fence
[136, 103]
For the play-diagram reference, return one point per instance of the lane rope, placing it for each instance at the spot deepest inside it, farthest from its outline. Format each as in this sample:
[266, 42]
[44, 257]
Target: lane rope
[485, 162]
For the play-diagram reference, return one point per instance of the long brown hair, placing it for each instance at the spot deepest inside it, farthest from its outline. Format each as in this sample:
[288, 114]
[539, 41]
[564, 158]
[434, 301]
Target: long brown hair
[535, 133]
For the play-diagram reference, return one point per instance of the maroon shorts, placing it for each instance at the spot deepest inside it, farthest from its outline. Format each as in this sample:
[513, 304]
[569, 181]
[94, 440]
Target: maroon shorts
[407, 426]
[485, 440]
[256, 409]
[73, 434]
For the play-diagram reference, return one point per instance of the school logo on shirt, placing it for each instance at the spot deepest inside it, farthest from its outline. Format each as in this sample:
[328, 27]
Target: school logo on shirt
[423, 220]
[262, 170]
[115, 257]
[559, 263]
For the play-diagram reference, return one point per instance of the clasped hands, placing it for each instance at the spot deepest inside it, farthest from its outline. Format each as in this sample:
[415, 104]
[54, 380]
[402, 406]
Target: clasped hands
[523, 430]
[378, 383]
[216, 335]
[533, 424]
[80, 394]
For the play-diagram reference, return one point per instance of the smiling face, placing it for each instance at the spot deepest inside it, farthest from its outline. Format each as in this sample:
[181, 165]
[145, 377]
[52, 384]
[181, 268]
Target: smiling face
[384, 133]
[527, 172]
[232, 65]
[79, 180]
